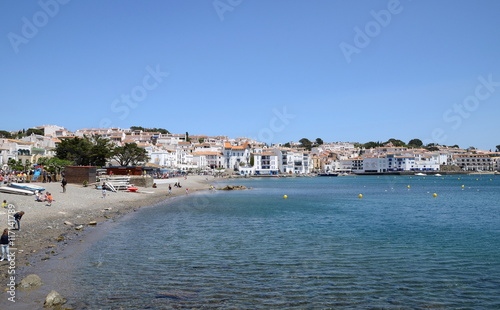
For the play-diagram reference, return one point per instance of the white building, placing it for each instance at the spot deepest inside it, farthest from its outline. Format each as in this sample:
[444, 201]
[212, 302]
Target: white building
[236, 155]
[162, 156]
[54, 131]
[208, 159]
[302, 162]
[266, 163]
[497, 163]
[16, 150]
[400, 162]
[474, 162]
[375, 164]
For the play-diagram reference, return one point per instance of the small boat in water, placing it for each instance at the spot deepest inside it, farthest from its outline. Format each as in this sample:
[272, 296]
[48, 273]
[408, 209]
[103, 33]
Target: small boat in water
[329, 174]
[420, 174]
[438, 175]
[17, 191]
[27, 186]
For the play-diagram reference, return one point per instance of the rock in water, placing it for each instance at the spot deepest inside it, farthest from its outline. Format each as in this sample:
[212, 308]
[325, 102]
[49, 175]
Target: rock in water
[54, 299]
[31, 280]
[232, 187]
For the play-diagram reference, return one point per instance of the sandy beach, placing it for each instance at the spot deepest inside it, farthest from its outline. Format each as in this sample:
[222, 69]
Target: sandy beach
[46, 231]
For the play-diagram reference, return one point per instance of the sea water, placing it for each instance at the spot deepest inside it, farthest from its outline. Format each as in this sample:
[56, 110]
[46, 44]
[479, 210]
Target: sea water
[398, 247]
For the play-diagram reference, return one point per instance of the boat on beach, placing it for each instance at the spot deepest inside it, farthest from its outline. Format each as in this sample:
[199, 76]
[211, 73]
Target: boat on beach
[27, 186]
[16, 191]
[329, 174]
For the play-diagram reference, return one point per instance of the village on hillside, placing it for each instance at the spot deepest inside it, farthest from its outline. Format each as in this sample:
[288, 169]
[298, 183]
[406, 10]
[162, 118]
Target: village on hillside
[243, 156]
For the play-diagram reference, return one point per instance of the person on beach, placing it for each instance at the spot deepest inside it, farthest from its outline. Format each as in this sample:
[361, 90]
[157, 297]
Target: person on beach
[38, 196]
[49, 199]
[4, 241]
[63, 184]
[169, 189]
[187, 190]
[18, 217]
[4, 204]
[104, 188]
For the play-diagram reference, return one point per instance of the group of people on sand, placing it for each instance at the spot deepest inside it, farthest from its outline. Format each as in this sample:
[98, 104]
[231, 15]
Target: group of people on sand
[5, 240]
[47, 197]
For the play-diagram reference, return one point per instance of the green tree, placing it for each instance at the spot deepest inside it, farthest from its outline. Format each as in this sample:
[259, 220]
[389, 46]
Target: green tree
[371, 145]
[100, 151]
[5, 134]
[129, 154]
[139, 128]
[305, 143]
[19, 134]
[432, 147]
[76, 150]
[36, 131]
[160, 130]
[319, 141]
[252, 160]
[415, 143]
[187, 137]
[87, 151]
[396, 142]
[498, 148]
[16, 165]
[54, 164]
[286, 144]
[136, 128]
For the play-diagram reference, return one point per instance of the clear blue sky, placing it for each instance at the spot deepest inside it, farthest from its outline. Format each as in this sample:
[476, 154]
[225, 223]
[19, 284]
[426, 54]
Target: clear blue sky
[276, 71]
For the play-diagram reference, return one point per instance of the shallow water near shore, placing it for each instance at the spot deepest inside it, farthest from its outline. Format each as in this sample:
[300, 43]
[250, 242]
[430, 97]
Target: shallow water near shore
[323, 247]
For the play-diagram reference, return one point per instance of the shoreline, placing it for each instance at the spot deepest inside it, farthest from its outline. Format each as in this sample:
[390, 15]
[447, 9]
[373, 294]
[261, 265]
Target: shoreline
[47, 232]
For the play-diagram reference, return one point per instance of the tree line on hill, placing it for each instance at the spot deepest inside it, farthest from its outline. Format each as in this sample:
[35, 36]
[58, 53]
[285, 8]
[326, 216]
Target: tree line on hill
[21, 133]
[412, 144]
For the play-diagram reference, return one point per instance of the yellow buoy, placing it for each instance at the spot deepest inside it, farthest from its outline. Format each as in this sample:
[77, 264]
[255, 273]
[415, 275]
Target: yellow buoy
[463, 186]
[408, 186]
[434, 195]
[285, 196]
[360, 196]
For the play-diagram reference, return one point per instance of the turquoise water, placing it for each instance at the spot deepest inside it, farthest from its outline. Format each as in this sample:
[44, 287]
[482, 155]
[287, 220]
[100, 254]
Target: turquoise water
[398, 247]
